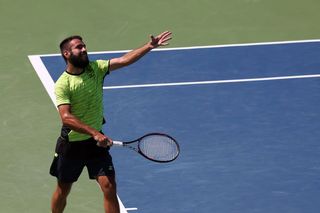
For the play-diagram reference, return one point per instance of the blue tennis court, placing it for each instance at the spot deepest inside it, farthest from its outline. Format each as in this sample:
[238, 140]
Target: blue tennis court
[246, 117]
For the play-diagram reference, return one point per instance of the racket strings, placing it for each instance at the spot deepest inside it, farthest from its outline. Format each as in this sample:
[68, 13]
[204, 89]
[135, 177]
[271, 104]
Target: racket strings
[159, 147]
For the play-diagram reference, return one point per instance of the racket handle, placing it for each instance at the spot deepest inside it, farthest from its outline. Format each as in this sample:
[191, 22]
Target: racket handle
[118, 143]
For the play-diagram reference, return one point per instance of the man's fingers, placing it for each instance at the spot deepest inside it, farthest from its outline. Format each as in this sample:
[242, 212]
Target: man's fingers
[165, 33]
[161, 39]
[109, 141]
[164, 41]
[103, 140]
[164, 37]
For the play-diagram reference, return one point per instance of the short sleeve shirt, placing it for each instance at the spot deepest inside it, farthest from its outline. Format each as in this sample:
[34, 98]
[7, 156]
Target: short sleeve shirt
[84, 92]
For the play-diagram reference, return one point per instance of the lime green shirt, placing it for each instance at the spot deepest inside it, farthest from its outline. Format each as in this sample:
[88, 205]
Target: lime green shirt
[84, 92]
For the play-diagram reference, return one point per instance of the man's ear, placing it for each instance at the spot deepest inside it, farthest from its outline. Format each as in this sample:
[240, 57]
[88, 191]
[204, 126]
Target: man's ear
[66, 54]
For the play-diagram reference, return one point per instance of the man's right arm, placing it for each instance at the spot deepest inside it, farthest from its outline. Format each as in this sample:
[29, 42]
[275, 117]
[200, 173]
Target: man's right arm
[71, 121]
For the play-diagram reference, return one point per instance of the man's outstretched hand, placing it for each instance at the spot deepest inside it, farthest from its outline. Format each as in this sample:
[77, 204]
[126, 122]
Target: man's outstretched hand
[160, 40]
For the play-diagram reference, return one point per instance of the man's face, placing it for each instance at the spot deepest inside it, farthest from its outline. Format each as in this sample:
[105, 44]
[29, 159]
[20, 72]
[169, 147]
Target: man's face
[78, 56]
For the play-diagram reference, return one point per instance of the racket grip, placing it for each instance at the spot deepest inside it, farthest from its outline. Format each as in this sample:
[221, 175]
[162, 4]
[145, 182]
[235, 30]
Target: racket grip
[118, 143]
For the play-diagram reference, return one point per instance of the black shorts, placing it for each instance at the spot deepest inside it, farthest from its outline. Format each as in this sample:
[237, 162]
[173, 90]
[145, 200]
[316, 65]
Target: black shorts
[71, 157]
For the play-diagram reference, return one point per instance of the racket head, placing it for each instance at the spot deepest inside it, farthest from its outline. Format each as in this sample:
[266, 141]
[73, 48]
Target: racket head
[158, 147]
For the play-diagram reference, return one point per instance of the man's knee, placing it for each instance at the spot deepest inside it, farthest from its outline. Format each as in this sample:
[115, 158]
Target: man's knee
[63, 189]
[108, 184]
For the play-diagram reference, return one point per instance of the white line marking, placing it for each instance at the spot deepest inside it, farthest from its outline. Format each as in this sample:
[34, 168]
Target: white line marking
[122, 208]
[44, 75]
[213, 82]
[131, 209]
[204, 47]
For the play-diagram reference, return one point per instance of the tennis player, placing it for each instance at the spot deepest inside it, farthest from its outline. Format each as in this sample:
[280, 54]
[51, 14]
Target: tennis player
[79, 100]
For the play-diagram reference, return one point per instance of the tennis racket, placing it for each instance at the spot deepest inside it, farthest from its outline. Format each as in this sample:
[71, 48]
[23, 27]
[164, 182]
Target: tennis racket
[157, 147]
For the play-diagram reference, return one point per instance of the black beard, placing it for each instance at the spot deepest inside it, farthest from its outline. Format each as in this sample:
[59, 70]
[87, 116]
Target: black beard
[79, 61]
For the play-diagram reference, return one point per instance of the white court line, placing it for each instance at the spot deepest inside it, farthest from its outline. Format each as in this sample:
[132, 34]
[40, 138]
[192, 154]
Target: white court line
[213, 82]
[203, 47]
[131, 209]
[44, 75]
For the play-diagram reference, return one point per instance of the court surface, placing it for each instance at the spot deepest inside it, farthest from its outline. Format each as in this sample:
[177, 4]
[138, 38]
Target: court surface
[246, 117]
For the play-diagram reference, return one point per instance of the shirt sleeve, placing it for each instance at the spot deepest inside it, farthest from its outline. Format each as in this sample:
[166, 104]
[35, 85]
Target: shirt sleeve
[103, 67]
[62, 94]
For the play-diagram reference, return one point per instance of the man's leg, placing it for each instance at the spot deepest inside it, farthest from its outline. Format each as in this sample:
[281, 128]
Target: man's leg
[59, 197]
[109, 189]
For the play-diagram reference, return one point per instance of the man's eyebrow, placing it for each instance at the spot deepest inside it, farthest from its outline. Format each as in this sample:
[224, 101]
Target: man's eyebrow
[80, 45]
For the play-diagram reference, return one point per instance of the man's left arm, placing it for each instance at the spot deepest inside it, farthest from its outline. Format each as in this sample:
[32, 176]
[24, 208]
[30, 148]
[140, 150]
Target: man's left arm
[134, 55]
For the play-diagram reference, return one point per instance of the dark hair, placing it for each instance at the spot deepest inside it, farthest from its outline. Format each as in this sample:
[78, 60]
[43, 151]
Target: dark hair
[65, 44]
